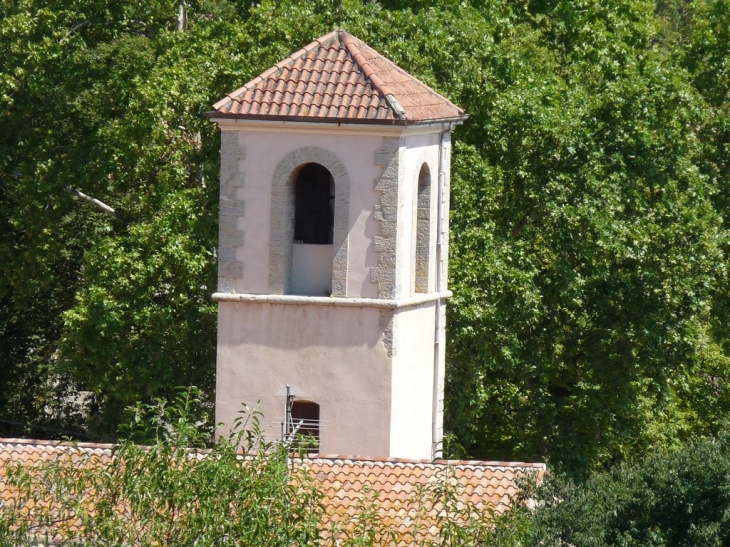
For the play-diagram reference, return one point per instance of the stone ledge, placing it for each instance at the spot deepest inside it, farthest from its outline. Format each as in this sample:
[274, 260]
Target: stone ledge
[391, 304]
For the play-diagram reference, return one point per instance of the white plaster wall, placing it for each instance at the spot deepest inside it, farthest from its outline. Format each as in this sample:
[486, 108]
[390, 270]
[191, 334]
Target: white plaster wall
[419, 149]
[412, 388]
[312, 269]
[264, 150]
[335, 355]
[338, 356]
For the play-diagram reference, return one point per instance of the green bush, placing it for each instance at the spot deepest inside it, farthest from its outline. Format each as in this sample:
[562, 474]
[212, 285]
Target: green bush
[667, 499]
[240, 492]
[167, 493]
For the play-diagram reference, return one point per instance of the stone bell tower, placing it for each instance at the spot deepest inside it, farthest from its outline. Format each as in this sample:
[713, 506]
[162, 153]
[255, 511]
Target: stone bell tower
[333, 251]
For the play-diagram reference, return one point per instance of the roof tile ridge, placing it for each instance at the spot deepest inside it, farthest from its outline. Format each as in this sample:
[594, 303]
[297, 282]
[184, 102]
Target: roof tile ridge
[371, 75]
[319, 42]
[426, 461]
[42, 443]
[440, 99]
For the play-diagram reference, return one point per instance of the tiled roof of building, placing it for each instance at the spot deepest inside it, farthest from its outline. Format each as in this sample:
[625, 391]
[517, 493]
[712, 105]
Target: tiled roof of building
[347, 483]
[394, 485]
[337, 79]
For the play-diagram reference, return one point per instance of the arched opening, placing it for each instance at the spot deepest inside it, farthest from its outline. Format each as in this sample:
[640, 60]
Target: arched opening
[423, 230]
[305, 421]
[314, 204]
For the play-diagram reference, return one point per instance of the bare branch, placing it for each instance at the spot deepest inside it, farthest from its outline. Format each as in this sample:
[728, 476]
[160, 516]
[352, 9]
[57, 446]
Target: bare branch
[95, 202]
[70, 32]
[182, 16]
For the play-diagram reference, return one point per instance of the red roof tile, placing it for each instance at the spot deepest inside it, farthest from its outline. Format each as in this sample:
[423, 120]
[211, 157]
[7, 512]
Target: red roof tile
[394, 486]
[337, 79]
[347, 483]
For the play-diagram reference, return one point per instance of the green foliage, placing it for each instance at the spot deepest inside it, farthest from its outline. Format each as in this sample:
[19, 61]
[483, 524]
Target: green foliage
[665, 500]
[587, 249]
[589, 240]
[242, 491]
[166, 493]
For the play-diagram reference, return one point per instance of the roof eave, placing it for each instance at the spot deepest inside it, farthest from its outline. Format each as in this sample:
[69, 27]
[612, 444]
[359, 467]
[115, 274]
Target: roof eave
[213, 115]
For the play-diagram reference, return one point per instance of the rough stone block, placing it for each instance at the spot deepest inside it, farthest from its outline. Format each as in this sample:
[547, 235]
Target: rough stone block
[232, 208]
[389, 199]
[239, 180]
[384, 158]
[228, 239]
[380, 275]
[391, 144]
[228, 192]
[339, 288]
[383, 244]
[230, 269]
[227, 254]
[227, 223]
[390, 173]
[387, 259]
[228, 176]
[388, 228]
[230, 148]
[226, 284]
[390, 213]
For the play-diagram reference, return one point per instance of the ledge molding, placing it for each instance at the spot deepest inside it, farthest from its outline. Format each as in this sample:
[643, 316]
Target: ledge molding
[381, 303]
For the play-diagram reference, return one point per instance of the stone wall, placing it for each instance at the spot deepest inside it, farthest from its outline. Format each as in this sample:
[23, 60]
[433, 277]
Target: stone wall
[386, 213]
[230, 237]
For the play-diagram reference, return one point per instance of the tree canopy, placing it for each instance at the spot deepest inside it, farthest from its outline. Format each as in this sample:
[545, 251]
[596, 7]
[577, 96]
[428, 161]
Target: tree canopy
[589, 239]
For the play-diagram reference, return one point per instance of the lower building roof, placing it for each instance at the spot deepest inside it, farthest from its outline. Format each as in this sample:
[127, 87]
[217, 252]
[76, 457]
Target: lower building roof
[396, 487]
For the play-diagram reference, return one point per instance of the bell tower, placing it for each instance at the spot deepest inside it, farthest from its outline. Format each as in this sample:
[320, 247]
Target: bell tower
[333, 251]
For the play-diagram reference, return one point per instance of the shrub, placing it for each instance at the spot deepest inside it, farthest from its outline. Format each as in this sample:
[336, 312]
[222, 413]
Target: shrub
[667, 499]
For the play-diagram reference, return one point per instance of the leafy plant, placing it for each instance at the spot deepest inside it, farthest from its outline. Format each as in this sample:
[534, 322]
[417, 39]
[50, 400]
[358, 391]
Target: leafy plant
[239, 492]
[667, 499]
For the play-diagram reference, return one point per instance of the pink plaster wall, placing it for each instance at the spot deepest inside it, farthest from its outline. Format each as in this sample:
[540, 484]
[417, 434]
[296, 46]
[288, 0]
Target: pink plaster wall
[333, 354]
[412, 389]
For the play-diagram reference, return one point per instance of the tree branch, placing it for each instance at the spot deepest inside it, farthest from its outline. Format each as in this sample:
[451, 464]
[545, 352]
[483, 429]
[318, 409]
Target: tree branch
[95, 202]
[524, 221]
[70, 32]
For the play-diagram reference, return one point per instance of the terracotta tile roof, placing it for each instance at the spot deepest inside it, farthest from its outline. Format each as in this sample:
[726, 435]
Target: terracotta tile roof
[31, 452]
[347, 483]
[394, 485]
[337, 79]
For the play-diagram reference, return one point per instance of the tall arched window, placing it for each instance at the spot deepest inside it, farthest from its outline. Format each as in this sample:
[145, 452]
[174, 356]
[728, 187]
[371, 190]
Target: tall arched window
[314, 205]
[312, 253]
[423, 230]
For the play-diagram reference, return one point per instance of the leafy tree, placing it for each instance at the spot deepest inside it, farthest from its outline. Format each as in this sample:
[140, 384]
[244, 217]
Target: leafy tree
[586, 251]
[666, 499]
[166, 493]
[589, 233]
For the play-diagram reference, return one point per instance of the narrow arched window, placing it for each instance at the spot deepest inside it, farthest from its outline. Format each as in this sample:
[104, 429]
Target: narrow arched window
[314, 205]
[312, 251]
[305, 421]
[423, 230]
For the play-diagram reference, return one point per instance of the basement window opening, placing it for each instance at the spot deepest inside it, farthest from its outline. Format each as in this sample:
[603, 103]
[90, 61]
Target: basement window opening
[305, 421]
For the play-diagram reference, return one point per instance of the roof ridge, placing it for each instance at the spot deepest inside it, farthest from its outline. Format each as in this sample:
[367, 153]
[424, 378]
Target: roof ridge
[423, 461]
[435, 94]
[370, 74]
[42, 443]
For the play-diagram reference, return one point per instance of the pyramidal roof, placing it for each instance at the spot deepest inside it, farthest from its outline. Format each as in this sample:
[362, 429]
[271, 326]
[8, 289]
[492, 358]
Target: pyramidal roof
[337, 79]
